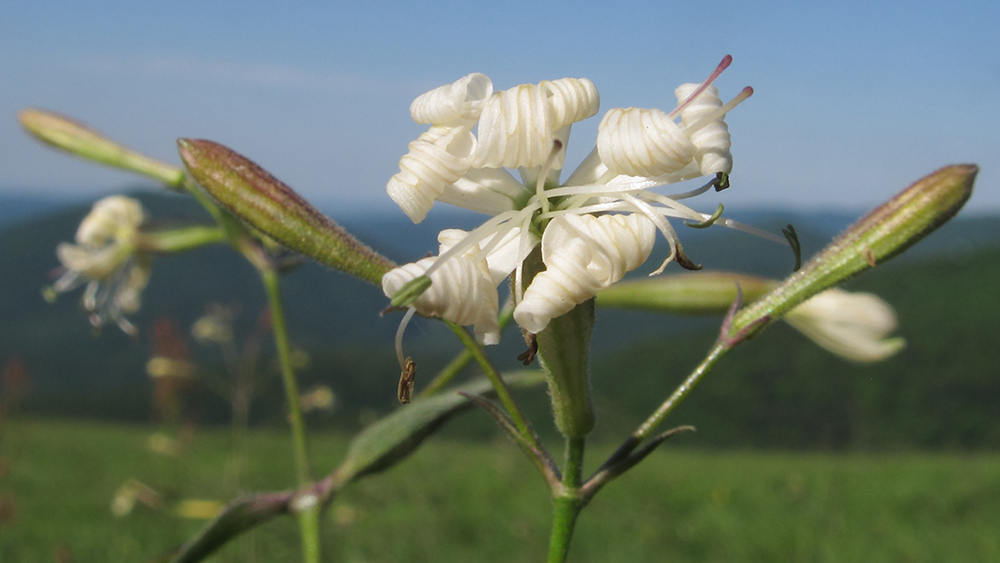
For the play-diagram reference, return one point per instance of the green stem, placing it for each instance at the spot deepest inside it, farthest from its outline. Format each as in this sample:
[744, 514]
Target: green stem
[568, 502]
[679, 394]
[503, 393]
[454, 367]
[181, 240]
[308, 517]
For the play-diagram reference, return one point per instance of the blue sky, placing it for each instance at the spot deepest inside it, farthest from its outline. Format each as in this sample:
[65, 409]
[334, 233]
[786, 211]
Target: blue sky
[853, 100]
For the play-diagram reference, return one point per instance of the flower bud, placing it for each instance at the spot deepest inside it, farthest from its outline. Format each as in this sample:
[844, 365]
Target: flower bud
[885, 232]
[249, 192]
[73, 137]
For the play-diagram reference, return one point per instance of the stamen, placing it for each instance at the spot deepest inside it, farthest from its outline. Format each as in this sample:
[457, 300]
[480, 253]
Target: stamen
[693, 193]
[522, 251]
[399, 337]
[718, 113]
[754, 231]
[546, 168]
[726, 61]
[662, 224]
[476, 235]
[793, 241]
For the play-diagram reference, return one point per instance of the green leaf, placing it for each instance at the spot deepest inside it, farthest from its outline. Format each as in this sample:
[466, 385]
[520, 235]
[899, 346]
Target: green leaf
[241, 515]
[78, 139]
[389, 440]
[263, 201]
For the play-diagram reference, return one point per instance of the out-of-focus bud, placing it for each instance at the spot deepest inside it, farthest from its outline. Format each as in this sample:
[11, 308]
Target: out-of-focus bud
[885, 232]
[701, 293]
[73, 137]
[263, 201]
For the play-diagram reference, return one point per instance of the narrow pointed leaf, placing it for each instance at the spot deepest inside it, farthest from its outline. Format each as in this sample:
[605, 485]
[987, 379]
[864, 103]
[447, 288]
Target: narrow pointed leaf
[263, 201]
[391, 439]
[540, 457]
[241, 515]
[885, 232]
[78, 139]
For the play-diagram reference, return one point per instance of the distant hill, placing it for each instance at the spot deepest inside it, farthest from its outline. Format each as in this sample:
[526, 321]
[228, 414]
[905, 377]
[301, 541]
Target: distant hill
[780, 382]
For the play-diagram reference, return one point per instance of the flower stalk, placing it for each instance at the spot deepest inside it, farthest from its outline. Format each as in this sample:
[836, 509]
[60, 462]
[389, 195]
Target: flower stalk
[308, 512]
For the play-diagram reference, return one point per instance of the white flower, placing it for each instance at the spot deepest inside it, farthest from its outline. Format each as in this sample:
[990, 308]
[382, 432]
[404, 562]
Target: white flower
[855, 326]
[105, 258]
[594, 227]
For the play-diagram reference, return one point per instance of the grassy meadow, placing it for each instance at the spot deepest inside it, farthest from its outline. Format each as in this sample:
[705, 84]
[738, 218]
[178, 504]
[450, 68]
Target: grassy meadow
[457, 501]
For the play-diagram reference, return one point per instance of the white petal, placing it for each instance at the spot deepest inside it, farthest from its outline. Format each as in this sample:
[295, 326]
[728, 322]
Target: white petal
[712, 141]
[461, 291]
[486, 190]
[571, 99]
[582, 254]
[436, 159]
[110, 218]
[642, 142]
[459, 103]
[515, 129]
[854, 326]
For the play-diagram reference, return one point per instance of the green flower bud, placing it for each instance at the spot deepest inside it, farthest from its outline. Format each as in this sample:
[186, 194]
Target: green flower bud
[885, 232]
[73, 137]
[263, 201]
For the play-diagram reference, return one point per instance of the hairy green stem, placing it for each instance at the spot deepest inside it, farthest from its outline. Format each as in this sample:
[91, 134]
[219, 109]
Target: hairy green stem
[181, 240]
[568, 502]
[309, 514]
[455, 366]
[503, 393]
[718, 351]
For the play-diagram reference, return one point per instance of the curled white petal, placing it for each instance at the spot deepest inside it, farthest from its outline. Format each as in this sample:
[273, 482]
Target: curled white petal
[855, 326]
[642, 142]
[110, 218]
[712, 141]
[582, 254]
[515, 129]
[461, 291]
[459, 103]
[436, 159]
[571, 100]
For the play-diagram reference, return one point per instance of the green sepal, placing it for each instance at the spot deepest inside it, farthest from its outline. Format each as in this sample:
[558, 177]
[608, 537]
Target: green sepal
[263, 201]
[78, 139]
[563, 350]
[885, 232]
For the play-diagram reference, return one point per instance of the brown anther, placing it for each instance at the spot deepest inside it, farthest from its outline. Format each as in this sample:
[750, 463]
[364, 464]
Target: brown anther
[528, 355]
[684, 261]
[406, 380]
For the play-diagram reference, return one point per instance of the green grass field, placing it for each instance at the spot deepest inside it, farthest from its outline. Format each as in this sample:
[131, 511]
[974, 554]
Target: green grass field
[478, 502]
